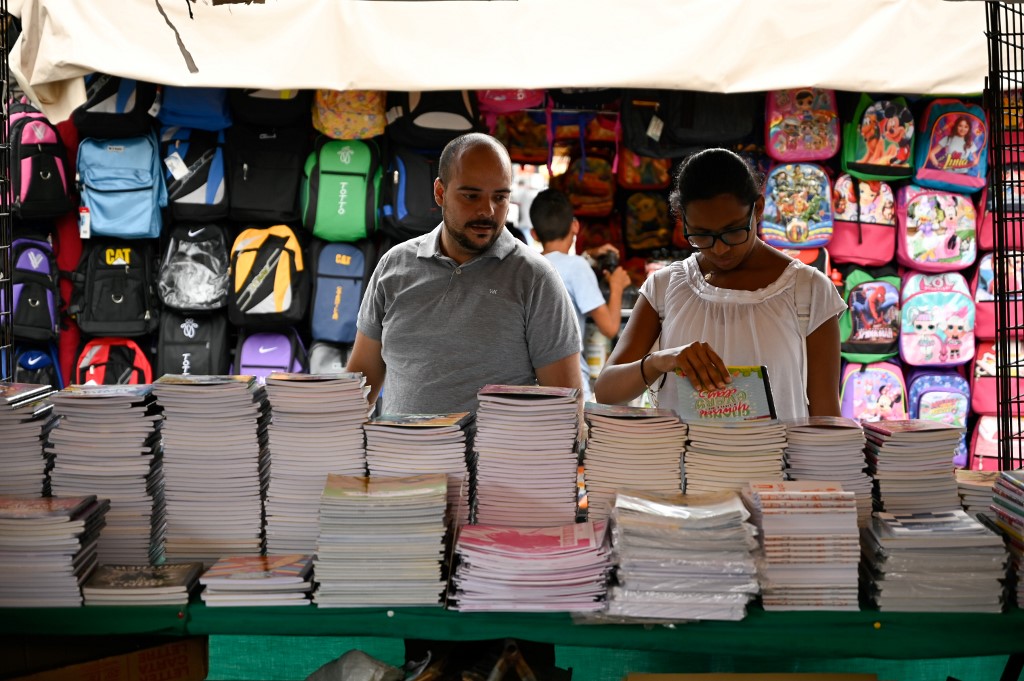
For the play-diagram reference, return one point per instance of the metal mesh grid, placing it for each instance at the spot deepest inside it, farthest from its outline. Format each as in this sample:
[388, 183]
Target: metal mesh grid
[6, 228]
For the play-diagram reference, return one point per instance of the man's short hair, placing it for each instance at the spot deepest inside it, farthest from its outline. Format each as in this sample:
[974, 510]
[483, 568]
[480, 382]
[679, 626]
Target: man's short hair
[551, 215]
[458, 145]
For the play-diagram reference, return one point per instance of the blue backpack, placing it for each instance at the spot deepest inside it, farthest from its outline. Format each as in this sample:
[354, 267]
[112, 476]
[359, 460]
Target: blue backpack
[38, 365]
[944, 397]
[798, 206]
[122, 186]
[954, 152]
[205, 108]
[194, 173]
[340, 273]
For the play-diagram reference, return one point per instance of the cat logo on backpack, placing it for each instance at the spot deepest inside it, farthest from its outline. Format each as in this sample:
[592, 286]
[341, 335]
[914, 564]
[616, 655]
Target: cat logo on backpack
[343, 259]
[119, 256]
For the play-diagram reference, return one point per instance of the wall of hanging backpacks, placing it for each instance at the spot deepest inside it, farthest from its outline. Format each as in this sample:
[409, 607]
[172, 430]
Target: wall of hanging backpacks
[207, 230]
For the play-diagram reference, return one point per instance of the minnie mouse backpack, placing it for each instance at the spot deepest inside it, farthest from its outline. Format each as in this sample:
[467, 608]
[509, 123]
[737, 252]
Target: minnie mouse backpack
[937, 230]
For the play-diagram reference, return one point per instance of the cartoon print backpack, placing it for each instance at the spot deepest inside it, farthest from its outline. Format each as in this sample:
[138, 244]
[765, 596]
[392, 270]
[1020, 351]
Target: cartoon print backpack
[864, 228]
[194, 173]
[270, 107]
[937, 326]
[985, 445]
[194, 272]
[943, 397]
[492, 103]
[524, 134]
[869, 328]
[192, 343]
[40, 181]
[953, 154]
[114, 292]
[36, 294]
[878, 143]
[599, 231]
[801, 124]
[349, 114]
[269, 280]
[430, 120]
[798, 206]
[937, 230]
[203, 108]
[340, 274]
[873, 392]
[818, 258]
[113, 361]
[38, 365]
[647, 221]
[115, 107]
[590, 186]
[983, 287]
[261, 354]
[340, 188]
[640, 173]
[984, 383]
[121, 182]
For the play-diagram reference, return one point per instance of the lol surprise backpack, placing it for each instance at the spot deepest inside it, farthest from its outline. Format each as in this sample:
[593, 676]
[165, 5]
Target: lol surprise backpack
[801, 124]
[953, 153]
[937, 230]
[937, 320]
[798, 206]
[873, 392]
[943, 397]
[869, 329]
[864, 227]
[878, 143]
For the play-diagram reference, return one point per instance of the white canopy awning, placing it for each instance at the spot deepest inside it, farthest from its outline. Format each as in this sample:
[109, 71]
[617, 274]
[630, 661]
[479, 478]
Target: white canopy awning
[909, 46]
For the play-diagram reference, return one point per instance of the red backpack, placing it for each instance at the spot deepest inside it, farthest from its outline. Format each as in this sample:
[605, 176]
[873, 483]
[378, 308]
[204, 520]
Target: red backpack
[113, 361]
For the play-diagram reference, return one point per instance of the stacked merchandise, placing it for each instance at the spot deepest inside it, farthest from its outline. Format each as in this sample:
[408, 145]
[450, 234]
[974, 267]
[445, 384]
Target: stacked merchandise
[525, 455]
[1008, 509]
[911, 464]
[316, 430]
[810, 541]
[943, 561]
[975, 490]
[47, 548]
[258, 580]
[25, 420]
[381, 541]
[413, 444]
[167, 584]
[560, 569]
[215, 465]
[631, 448]
[108, 443]
[682, 557]
[726, 455]
[830, 448]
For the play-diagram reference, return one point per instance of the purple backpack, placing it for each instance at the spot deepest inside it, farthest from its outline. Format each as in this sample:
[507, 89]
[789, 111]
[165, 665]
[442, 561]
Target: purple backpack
[35, 291]
[261, 354]
[40, 182]
[944, 397]
[873, 392]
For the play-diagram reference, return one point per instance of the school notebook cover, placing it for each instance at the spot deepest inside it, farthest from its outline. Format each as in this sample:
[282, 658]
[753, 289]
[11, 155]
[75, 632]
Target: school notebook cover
[747, 398]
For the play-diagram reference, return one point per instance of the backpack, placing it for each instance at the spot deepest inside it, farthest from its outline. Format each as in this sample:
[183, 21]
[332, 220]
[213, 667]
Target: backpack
[937, 230]
[122, 186]
[647, 222]
[798, 206]
[983, 288]
[985, 384]
[349, 114]
[192, 343]
[115, 107]
[264, 171]
[35, 291]
[878, 143]
[194, 272]
[944, 397]
[340, 187]
[638, 172]
[869, 328]
[864, 222]
[599, 231]
[430, 120]
[675, 123]
[113, 361]
[873, 392]
[327, 358]
[40, 174]
[584, 97]
[492, 103]
[801, 124]
[818, 258]
[590, 185]
[408, 208]
[937, 327]
[203, 108]
[113, 289]
[261, 354]
[254, 106]
[194, 173]
[953, 154]
[340, 272]
[524, 134]
[38, 365]
[269, 283]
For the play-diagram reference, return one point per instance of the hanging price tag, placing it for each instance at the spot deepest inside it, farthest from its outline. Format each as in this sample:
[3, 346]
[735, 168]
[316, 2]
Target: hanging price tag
[655, 127]
[177, 166]
[84, 223]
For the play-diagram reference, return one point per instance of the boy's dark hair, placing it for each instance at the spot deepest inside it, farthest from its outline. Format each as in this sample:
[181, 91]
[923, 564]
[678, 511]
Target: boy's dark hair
[551, 215]
[713, 172]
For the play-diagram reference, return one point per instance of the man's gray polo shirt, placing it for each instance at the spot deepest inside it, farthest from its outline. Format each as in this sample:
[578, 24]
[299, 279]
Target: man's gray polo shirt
[447, 330]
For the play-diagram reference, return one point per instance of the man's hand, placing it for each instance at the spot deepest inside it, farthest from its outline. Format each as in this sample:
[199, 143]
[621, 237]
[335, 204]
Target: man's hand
[618, 279]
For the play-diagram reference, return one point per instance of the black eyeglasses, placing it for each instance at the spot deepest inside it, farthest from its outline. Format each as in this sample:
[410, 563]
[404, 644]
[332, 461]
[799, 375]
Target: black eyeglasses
[730, 237]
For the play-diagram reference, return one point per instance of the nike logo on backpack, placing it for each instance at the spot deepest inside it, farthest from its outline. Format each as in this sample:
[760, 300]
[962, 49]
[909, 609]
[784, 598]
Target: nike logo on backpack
[264, 350]
[192, 233]
[32, 361]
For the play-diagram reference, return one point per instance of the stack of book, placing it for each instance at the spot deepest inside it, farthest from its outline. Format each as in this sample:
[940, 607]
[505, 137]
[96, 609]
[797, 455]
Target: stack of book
[215, 465]
[317, 428]
[682, 557]
[911, 462]
[504, 569]
[258, 580]
[47, 548]
[943, 561]
[167, 584]
[25, 419]
[631, 448]
[108, 444]
[381, 541]
[975, 489]
[1007, 506]
[525, 459]
[830, 448]
[811, 544]
[726, 455]
[412, 444]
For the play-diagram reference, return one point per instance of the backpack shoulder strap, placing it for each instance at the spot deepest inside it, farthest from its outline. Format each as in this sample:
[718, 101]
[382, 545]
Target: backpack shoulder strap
[803, 298]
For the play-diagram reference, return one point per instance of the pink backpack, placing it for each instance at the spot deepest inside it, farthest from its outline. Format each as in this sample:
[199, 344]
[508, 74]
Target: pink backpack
[985, 445]
[986, 229]
[864, 227]
[492, 103]
[937, 230]
[983, 290]
[937, 320]
[984, 387]
[801, 124]
[873, 392]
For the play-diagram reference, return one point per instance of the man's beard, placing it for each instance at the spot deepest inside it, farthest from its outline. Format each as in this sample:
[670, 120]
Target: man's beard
[468, 244]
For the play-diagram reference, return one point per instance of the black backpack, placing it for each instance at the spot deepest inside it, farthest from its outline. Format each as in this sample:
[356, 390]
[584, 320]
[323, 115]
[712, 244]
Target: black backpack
[115, 107]
[194, 272]
[430, 120]
[38, 365]
[408, 208]
[192, 343]
[36, 292]
[113, 289]
[40, 173]
[675, 123]
[196, 185]
[264, 171]
[271, 107]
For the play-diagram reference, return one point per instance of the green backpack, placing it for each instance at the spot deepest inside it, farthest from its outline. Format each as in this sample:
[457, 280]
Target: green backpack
[878, 144]
[869, 330]
[341, 183]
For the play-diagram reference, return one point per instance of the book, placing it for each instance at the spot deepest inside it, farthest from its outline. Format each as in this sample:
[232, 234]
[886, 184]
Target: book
[169, 578]
[238, 573]
[747, 398]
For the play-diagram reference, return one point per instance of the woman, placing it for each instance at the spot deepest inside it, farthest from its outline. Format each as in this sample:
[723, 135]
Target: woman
[733, 303]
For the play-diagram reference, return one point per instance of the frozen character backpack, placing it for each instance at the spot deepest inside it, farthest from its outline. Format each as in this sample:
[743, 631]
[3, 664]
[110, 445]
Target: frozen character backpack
[869, 329]
[937, 320]
[864, 222]
[801, 124]
[937, 230]
[943, 397]
[953, 155]
[873, 392]
[878, 143]
[798, 206]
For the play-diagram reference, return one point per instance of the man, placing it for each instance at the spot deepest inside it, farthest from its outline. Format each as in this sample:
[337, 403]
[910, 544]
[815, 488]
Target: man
[467, 304]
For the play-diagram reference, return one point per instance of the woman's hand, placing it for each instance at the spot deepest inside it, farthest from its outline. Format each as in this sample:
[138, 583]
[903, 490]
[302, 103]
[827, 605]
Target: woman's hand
[698, 362]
